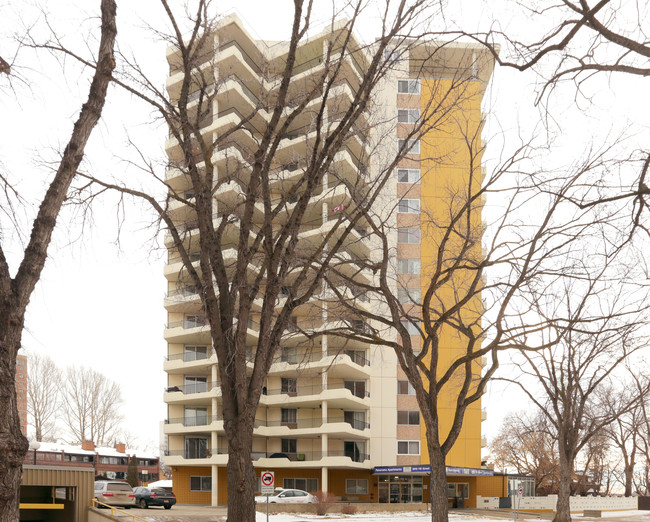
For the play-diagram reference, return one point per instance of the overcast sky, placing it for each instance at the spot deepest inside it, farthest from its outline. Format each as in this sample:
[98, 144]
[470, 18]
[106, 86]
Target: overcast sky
[100, 300]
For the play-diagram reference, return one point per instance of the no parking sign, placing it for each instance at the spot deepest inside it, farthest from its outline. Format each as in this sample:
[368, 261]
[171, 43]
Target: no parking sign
[268, 482]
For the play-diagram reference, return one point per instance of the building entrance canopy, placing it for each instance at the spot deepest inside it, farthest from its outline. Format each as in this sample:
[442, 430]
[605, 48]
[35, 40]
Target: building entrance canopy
[425, 470]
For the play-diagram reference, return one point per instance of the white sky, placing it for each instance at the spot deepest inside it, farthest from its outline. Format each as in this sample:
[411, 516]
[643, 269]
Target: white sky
[101, 305]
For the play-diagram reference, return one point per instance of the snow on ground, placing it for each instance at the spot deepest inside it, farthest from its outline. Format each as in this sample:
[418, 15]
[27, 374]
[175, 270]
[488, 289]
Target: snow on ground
[370, 517]
[413, 517]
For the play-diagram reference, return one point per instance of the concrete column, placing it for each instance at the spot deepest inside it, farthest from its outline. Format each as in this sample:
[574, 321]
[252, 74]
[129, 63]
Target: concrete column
[323, 480]
[215, 482]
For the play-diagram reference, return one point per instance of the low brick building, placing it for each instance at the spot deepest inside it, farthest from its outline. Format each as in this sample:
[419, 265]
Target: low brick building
[110, 463]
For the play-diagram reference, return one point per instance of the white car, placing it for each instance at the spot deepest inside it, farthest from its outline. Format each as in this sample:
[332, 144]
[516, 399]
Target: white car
[287, 496]
[114, 493]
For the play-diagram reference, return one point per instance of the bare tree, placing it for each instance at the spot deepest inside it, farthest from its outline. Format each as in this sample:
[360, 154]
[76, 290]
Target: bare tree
[625, 431]
[91, 406]
[43, 396]
[525, 443]
[15, 291]
[578, 41]
[482, 281]
[571, 373]
[251, 248]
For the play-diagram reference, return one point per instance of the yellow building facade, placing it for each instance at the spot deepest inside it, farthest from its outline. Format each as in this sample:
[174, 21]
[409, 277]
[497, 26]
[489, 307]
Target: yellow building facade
[341, 418]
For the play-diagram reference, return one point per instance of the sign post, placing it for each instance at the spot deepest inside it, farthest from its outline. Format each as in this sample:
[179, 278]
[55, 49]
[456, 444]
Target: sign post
[268, 485]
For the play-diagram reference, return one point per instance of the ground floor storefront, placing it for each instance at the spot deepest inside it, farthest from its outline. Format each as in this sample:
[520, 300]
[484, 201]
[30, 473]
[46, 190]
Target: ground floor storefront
[390, 485]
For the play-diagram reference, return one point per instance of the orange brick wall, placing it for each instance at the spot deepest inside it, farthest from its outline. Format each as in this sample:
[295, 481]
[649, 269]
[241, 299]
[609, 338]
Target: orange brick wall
[181, 478]
[496, 486]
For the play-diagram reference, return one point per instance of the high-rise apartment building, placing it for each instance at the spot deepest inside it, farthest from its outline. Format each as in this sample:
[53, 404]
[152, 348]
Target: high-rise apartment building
[21, 391]
[340, 417]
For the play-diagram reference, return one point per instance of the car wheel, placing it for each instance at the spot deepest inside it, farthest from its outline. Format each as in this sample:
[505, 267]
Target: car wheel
[167, 507]
[143, 504]
[127, 507]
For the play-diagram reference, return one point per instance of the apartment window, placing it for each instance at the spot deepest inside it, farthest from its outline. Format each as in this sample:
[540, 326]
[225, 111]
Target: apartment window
[306, 484]
[289, 355]
[357, 356]
[196, 448]
[289, 416]
[356, 486]
[408, 417]
[196, 384]
[408, 175]
[411, 328]
[196, 416]
[409, 146]
[408, 206]
[195, 353]
[408, 447]
[408, 266]
[356, 419]
[200, 483]
[289, 445]
[194, 321]
[408, 86]
[357, 388]
[289, 385]
[408, 115]
[409, 236]
[355, 450]
[408, 295]
[405, 388]
[120, 461]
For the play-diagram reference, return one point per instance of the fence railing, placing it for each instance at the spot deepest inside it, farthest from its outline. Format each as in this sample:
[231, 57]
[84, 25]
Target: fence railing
[197, 387]
[298, 456]
[199, 420]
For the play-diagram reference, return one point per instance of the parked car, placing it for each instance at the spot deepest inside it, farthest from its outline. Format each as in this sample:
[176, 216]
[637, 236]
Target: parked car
[145, 497]
[114, 493]
[288, 496]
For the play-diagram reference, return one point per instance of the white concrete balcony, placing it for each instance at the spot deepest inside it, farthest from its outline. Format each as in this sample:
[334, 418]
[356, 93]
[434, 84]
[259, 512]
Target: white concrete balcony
[195, 394]
[336, 426]
[189, 363]
[197, 331]
[312, 396]
[184, 458]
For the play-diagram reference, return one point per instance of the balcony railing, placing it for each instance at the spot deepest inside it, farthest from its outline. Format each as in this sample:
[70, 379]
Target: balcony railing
[188, 323]
[188, 389]
[189, 356]
[202, 321]
[200, 420]
[301, 456]
[189, 454]
[314, 422]
[313, 389]
[357, 358]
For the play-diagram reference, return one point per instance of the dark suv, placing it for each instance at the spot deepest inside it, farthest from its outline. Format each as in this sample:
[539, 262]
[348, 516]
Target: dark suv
[145, 497]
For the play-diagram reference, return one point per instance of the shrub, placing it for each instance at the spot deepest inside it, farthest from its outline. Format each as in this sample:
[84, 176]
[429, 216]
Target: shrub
[349, 509]
[325, 501]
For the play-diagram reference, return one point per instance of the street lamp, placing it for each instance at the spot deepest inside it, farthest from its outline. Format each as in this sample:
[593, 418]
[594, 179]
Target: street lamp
[34, 445]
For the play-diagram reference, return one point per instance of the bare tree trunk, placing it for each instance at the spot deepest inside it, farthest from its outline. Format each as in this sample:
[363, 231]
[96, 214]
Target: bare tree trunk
[438, 484]
[16, 292]
[241, 475]
[13, 445]
[629, 477]
[563, 508]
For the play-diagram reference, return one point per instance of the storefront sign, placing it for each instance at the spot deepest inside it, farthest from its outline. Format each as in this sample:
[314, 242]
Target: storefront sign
[451, 470]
